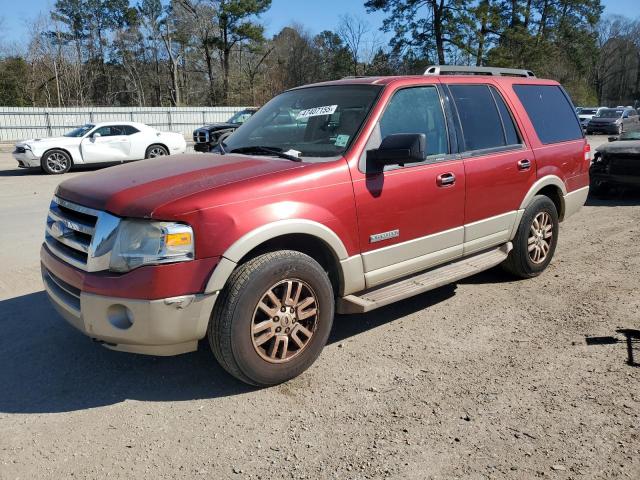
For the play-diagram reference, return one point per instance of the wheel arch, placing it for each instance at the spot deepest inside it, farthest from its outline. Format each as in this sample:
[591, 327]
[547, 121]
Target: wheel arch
[551, 186]
[160, 144]
[61, 149]
[305, 236]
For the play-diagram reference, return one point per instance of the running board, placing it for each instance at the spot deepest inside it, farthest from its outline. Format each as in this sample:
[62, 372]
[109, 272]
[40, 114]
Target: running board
[377, 297]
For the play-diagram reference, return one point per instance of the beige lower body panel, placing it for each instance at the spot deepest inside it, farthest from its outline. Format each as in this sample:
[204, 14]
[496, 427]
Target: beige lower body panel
[168, 326]
[488, 233]
[573, 201]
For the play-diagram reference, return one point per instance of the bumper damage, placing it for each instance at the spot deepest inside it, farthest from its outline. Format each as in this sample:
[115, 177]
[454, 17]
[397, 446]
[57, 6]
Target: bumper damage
[168, 326]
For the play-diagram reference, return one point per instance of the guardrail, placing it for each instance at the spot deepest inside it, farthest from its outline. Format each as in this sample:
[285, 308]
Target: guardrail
[18, 123]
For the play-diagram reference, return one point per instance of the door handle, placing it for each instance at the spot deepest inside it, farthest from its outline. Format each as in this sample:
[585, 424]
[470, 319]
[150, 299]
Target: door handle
[524, 164]
[445, 179]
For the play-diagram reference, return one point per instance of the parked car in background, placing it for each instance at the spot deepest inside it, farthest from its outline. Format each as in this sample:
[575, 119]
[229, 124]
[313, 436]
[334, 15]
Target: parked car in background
[340, 196]
[616, 164]
[614, 121]
[585, 114]
[207, 137]
[99, 143]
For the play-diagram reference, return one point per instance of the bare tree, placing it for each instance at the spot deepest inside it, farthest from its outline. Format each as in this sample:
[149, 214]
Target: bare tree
[353, 30]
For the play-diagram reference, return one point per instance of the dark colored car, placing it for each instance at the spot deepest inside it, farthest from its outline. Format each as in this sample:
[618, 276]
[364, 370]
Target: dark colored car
[614, 120]
[616, 163]
[207, 137]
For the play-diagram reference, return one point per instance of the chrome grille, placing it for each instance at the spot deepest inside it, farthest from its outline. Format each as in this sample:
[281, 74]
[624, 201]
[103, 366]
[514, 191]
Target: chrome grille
[201, 136]
[79, 235]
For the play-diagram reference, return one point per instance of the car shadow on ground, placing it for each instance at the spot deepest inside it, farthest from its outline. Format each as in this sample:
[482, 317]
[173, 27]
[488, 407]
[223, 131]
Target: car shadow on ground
[20, 172]
[48, 367]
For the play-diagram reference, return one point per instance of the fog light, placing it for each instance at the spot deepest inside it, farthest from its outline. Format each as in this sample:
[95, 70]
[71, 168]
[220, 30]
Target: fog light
[120, 316]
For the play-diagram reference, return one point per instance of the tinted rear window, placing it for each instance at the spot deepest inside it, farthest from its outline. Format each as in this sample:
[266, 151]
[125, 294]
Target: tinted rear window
[550, 111]
[479, 117]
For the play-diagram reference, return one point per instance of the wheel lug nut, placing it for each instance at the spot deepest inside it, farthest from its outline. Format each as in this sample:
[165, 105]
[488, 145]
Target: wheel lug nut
[276, 319]
[286, 330]
[278, 329]
[292, 310]
[283, 309]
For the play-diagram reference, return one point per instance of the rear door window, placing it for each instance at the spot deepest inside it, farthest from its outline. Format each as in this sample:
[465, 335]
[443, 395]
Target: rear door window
[481, 118]
[551, 113]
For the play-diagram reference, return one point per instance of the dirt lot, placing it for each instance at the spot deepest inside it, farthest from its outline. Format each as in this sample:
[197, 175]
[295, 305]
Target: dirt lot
[489, 378]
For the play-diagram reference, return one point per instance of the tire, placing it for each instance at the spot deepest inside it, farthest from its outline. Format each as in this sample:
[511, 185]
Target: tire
[248, 342]
[156, 150]
[55, 162]
[523, 263]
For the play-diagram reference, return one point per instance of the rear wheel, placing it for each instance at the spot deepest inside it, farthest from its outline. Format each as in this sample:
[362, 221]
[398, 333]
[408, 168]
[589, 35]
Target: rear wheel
[273, 318]
[156, 151]
[536, 239]
[55, 162]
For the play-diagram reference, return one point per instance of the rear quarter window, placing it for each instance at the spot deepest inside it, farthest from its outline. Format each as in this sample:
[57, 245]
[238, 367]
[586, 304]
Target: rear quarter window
[550, 111]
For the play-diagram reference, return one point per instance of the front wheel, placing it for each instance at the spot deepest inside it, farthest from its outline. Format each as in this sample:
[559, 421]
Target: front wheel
[55, 162]
[273, 318]
[536, 239]
[156, 151]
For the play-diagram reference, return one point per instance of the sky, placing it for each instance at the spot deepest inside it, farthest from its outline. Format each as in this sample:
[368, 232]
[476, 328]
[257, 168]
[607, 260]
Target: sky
[315, 15]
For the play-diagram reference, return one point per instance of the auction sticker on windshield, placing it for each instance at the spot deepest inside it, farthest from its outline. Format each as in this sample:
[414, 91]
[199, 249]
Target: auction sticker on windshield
[317, 111]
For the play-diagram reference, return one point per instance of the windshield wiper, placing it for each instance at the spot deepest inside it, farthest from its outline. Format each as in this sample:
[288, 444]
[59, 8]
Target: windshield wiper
[262, 150]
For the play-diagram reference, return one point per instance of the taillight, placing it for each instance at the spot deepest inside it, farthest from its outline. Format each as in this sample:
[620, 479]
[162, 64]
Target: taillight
[587, 155]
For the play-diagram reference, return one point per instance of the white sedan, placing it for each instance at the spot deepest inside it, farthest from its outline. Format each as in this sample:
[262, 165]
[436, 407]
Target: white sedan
[100, 143]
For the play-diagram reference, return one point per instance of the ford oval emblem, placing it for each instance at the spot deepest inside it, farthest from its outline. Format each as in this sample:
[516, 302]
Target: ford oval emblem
[58, 229]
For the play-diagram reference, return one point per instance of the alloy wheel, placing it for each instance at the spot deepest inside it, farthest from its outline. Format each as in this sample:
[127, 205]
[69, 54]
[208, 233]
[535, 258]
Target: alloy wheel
[57, 162]
[284, 321]
[157, 152]
[540, 236]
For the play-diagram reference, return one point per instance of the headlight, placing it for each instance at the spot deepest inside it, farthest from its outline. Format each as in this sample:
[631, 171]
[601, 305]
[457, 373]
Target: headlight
[140, 242]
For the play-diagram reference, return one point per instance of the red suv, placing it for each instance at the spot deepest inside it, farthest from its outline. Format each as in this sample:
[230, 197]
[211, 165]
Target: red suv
[342, 196]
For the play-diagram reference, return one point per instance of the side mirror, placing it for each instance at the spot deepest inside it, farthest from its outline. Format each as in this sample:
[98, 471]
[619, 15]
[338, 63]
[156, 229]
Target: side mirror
[398, 149]
[625, 115]
[94, 136]
[613, 139]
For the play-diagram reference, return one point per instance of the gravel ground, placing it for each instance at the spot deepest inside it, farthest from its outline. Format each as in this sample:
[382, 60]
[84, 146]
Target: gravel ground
[488, 378]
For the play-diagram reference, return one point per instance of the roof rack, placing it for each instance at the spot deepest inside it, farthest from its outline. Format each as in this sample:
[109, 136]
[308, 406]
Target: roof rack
[462, 70]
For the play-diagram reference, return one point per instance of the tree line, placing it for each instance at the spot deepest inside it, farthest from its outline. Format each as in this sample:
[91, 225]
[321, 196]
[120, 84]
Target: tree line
[216, 52]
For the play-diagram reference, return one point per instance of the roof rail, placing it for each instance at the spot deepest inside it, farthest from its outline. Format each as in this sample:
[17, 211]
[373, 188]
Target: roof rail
[462, 70]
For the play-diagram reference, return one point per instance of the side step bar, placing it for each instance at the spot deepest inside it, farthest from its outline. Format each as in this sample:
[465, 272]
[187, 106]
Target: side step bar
[377, 297]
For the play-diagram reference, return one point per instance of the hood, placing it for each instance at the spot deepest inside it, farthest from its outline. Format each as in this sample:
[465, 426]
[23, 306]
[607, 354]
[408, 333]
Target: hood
[621, 146]
[219, 126]
[137, 189]
[44, 141]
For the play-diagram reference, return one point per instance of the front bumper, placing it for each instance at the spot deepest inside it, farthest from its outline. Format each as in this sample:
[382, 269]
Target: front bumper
[606, 128]
[163, 326]
[622, 180]
[202, 147]
[26, 159]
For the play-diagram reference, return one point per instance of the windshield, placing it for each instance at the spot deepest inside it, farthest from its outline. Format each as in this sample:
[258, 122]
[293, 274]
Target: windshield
[609, 113]
[629, 136]
[79, 132]
[313, 122]
[588, 111]
[241, 116]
